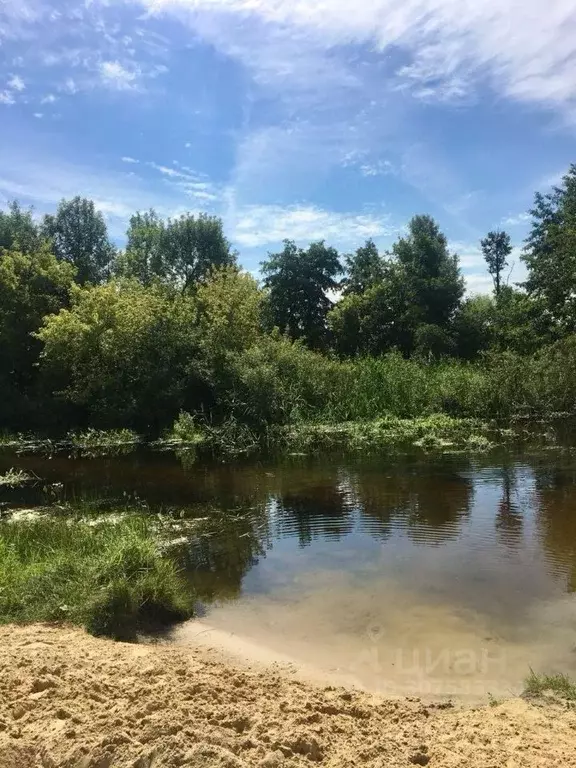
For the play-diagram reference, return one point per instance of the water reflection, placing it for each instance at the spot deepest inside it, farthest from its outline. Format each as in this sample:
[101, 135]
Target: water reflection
[555, 515]
[509, 517]
[252, 519]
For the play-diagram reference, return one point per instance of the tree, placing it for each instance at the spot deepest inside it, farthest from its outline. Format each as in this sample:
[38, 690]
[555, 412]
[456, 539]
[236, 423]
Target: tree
[79, 236]
[298, 281]
[191, 246]
[550, 252]
[18, 230]
[373, 322]
[431, 274]
[32, 286]
[229, 311]
[364, 268]
[521, 323]
[124, 354]
[496, 248]
[144, 257]
[474, 326]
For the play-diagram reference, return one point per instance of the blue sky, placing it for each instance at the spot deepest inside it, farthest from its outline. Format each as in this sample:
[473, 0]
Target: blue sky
[292, 118]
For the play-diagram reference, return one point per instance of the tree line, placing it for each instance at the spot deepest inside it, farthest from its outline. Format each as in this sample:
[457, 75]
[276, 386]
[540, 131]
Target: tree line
[90, 332]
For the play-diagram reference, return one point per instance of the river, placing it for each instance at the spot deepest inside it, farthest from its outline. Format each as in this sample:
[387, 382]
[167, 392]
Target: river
[444, 575]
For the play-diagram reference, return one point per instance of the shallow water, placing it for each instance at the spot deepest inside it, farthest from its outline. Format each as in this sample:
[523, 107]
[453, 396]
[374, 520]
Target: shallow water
[444, 575]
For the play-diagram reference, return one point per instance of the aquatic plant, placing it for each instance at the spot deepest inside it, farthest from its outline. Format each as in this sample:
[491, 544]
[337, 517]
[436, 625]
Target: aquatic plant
[102, 438]
[14, 478]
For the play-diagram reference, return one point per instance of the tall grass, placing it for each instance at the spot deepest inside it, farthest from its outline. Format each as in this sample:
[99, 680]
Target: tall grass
[110, 578]
[284, 383]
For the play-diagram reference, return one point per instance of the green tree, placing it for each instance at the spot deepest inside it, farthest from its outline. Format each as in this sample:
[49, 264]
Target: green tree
[191, 246]
[364, 268]
[496, 248]
[18, 230]
[79, 236]
[298, 281]
[144, 257]
[229, 311]
[550, 251]
[124, 354]
[431, 273]
[522, 324]
[474, 326]
[373, 322]
[32, 286]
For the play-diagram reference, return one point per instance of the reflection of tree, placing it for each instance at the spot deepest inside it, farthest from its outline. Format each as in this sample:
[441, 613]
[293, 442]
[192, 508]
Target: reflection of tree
[317, 511]
[436, 508]
[509, 521]
[556, 517]
[221, 549]
[429, 504]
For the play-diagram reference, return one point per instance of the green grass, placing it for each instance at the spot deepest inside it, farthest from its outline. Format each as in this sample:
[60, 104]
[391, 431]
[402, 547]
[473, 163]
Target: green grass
[430, 433]
[561, 685]
[14, 478]
[110, 578]
[102, 438]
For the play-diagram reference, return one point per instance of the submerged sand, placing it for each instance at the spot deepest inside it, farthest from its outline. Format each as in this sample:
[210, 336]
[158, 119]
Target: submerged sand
[68, 699]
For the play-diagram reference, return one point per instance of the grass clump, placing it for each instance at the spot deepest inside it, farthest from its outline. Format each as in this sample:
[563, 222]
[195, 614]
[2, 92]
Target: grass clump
[110, 578]
[103, 438]
[186, 430]
[14, 478]
[560, 684]
[435, 432]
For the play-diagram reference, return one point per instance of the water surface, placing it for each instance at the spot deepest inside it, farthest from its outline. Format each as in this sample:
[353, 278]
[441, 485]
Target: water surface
[445, 575]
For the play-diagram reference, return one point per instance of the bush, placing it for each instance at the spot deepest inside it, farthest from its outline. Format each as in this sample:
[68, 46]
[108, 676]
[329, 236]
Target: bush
[109, 577]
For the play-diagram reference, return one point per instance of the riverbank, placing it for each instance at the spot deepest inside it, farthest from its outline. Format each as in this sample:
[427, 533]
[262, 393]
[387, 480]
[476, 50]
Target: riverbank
[68, 699]
[231, 440]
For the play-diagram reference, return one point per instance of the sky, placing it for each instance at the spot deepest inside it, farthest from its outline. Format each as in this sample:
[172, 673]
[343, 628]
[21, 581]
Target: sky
[300, 119]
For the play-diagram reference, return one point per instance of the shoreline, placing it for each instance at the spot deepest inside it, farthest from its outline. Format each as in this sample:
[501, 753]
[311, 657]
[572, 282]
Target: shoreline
[68, 699]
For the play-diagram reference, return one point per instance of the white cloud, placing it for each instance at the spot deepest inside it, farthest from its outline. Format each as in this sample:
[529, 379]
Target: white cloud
[515, 221]
[475, 271]
[70, 86]
[43, 180]
[48, 99]
[127, 159]
[258, 225]
[167, 171]
[115, 75]
[479, 283]
[6, 97]
[39, 115]
[16, 83]
[378, 168]
[527, 51]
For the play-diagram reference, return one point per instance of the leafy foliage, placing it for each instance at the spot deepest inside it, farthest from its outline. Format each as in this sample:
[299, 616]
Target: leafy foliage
[496, 248]
[79, 236]
[32, 287]
[18, 230]
[180, 335]
[550, 252]
[430, 272]
[298, 281]
[364, 269]
[125, 354]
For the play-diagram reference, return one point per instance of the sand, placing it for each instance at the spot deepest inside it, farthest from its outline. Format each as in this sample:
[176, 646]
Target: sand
[68, 699]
